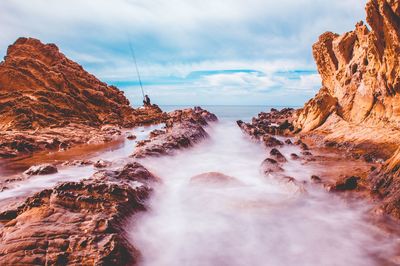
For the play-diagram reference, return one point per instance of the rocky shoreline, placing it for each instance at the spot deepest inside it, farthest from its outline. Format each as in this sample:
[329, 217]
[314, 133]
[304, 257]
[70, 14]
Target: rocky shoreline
[60, 225]
[348, 134]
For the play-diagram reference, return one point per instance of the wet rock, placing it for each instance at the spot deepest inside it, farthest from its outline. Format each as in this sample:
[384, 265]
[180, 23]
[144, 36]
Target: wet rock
[270, 166]
[78, 163]
[274, 123]
[42, 169]
[277, 155]
[102, 164]
[345, 184]
[156, 132]
[184, 129]
[75, 223]
[306, 153]
[315, 179]
[288, 142]
[130, 136]
[294, 156]
[270, 141]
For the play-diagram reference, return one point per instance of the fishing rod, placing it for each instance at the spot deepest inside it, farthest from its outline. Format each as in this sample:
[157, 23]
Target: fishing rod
[136, 66]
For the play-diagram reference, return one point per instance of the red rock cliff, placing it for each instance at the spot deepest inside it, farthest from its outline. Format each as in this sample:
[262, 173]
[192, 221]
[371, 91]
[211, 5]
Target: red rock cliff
[40, 87]
[360, 69]
[360, 99]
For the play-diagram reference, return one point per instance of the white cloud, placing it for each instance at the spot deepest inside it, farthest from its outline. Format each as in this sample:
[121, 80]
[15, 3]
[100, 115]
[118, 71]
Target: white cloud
[177, 37]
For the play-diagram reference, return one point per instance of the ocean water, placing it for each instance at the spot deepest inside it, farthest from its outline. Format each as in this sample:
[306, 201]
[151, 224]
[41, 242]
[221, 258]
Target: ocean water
[215, 207]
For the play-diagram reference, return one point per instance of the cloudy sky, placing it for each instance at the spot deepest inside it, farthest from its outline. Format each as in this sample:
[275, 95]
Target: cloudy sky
[246, 52]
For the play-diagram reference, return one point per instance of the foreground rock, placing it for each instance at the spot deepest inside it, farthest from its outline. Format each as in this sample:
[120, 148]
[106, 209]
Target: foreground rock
[55, 103]
[77, 223]
[184, 128]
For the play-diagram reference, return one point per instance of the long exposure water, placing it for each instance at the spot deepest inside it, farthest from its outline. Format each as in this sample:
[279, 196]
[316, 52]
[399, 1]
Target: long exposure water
[215, 207]
[234, 215]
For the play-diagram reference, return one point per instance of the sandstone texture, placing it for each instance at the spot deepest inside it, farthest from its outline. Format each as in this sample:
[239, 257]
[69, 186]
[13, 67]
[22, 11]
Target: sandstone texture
[77, 223]
[358, 106]
[359, 100]
[48, 101]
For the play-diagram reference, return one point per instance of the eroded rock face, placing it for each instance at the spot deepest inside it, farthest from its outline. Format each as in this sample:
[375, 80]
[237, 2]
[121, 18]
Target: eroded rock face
[184, 128]
[53, 90]
[360, 99]
[361, 79]
[77, 223]
[48, 102]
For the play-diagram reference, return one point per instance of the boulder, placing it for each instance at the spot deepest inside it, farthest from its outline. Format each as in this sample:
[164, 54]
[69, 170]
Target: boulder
[42, 169]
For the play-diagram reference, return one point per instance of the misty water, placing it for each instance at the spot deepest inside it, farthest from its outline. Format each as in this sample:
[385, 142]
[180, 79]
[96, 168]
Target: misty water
[248, 218]
[234, 216]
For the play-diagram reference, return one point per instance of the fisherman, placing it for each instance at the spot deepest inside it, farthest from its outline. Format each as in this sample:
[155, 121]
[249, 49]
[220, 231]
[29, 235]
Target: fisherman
[146, 100]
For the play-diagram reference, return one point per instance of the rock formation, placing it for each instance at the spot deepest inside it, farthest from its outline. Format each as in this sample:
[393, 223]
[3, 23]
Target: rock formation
[359, 103]
[184, 128]
[360, 71]
[45, 97]
[77, 223]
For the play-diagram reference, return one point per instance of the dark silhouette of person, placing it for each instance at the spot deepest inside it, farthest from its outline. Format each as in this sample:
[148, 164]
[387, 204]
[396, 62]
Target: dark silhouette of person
[146, 100]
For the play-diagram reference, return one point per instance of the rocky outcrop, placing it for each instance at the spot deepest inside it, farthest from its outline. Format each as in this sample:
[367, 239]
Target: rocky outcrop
[77, 223]
[359, 104]
[41, 87]
[184, 128]
[51, 102]
[360, 71]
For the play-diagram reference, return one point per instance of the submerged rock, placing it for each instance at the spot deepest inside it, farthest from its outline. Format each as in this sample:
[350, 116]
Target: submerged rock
[214, 178]
[270, 166]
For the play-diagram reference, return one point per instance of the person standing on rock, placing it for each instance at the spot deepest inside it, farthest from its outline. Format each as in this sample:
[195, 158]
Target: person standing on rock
[146, 100]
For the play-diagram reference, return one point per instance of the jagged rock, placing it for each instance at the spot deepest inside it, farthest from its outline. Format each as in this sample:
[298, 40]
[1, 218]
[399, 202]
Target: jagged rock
[76, 223]
[347, 183]
[56, 103]
[274, 123]
[130, 136]
[360, 73]
[270, 141]
[156, 132]
[42, 169]
[184, 129]
[288, 142]
[102, 164]
[78, 163]
[315, 179]
[270, 166]
[277, 155]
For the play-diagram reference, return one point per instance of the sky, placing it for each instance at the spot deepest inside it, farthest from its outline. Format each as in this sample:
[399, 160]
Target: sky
[189, 52]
